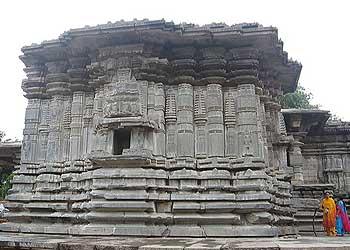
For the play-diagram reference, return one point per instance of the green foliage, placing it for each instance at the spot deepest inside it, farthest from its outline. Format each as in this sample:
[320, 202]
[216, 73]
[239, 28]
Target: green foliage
[5, 184]
[300, 99]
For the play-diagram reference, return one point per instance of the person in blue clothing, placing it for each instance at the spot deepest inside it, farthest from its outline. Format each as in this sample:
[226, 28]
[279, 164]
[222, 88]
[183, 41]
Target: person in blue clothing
[342, 224]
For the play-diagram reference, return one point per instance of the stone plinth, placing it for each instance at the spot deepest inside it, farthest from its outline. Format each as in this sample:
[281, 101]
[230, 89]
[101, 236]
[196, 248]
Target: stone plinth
[11, 241]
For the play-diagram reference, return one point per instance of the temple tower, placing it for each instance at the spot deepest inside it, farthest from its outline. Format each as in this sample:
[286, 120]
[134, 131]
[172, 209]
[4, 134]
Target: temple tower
[148, 128]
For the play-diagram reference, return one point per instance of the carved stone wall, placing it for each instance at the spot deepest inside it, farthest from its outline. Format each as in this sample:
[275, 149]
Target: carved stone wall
[154, 135]
[327, 158]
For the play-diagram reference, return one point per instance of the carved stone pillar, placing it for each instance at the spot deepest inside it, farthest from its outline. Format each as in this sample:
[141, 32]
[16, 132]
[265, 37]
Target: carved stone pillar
[247, 121]
[261, 100]
[30, 132]
[183, 67]
[87, 123]
[99, 137]
[170, 122]
[231, 135]
[184, 110]
[200, 121]
[212, 66]
[33, 86]
[57, 87]
[151, 102]
[76, 143]
[215, 122]
[244, 67]
[81, 107]
[65, 139]
[274, 136]
[159, 109]
[296, 161]
[269, 130]
[43, 129]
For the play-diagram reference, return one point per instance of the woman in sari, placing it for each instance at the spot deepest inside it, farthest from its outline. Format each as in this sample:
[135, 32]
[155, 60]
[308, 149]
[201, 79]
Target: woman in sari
[342, 221]
[328, 208]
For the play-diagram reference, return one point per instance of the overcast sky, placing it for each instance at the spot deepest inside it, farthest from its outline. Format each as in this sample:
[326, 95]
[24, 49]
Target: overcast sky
[315, 33]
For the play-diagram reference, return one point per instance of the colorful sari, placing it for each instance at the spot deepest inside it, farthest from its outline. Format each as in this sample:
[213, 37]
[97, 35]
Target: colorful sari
[329, 214]
[342, 221]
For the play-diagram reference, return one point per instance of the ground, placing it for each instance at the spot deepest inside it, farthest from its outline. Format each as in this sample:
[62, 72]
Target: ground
[11, 241]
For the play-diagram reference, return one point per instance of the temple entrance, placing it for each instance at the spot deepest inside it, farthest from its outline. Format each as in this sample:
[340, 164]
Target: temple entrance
[121, 140]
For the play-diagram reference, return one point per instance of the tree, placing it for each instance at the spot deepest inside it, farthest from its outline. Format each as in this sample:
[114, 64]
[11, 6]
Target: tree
[6, 174]
[300, 99]
[5, 184]
[2, 135]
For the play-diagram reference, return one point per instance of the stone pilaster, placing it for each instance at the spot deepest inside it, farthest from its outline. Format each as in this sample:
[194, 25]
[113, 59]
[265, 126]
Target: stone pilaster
[184, 72]
[170, 122]
[184, 110]
[99, 137]
[81, 106]
[159, 110]
[243, 66]
[269, 131]
[273, 130]
[33, 86]
[30, 132]
[200, 122]
[76, 141]
[215, 120]
[66, 130]
[88, 123]
[247, 121]
[212, 68]
[57, 88]
[262, 121]
[43, 129]
[296, 161]
[231, 135]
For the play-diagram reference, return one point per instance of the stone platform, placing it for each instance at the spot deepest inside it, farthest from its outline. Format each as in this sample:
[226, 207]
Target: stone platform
[9, 241]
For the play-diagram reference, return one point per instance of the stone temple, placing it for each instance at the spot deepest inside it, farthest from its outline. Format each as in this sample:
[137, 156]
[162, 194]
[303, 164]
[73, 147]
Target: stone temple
[150, 128]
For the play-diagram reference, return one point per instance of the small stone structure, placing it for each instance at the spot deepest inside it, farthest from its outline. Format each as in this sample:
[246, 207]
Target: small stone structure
[10, 153]
[149, 128]
[324, 163]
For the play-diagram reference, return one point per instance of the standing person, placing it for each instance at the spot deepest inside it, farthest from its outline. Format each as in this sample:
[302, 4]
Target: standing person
[328, 208]
[342, 221]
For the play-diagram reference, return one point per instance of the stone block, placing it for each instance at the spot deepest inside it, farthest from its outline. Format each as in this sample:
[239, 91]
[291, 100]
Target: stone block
[253, 196]
[100, 229]
[139, 229]
[252, 206]
[220, 207]
[121, 206]
[120, 194]
[184, 231]
[207, 218]
[164, 206]
[10, 227]
[241, 231]
[186, 206]
[259, 218]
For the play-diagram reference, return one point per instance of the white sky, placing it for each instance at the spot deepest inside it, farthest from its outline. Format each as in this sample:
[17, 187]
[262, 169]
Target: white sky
[315, 33]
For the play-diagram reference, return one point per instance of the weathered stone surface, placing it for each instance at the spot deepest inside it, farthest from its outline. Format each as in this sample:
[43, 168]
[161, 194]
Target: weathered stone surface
[260, 218]
[10, 241]
[145, 128]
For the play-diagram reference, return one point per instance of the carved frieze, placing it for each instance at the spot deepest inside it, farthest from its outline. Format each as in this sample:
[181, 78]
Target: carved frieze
[124, 96]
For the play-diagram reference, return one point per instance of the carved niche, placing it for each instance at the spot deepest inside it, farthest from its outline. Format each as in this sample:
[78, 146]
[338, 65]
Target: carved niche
[123, 96]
